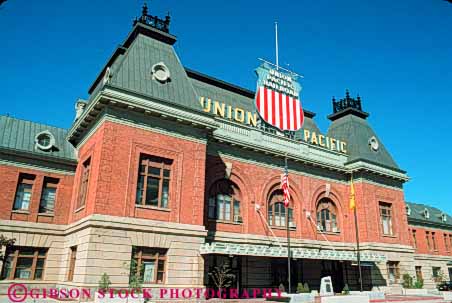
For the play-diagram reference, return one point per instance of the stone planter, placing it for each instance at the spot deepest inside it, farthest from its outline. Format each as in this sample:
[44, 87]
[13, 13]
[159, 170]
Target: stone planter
[373, 295]
[447, 295]
[345, 299]
[415, 292]
[293, 298]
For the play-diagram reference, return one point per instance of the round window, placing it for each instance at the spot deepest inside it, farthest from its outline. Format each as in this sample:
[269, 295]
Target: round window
[160, 72]
[44, 140]
[373, 143]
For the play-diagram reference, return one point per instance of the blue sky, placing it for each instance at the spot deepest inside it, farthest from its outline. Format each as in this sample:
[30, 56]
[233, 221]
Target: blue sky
[396, 54]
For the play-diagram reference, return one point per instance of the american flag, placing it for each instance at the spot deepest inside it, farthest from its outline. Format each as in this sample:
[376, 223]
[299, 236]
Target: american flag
[279, 110]
[285, 186]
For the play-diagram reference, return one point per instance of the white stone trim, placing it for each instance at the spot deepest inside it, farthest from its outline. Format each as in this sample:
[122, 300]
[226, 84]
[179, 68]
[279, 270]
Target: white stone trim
[260, 164]
[227, 248]
[37, 167]
[377, 169]
[110, 118]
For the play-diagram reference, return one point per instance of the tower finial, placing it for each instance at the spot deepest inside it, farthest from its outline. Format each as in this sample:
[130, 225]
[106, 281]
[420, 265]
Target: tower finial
[167, 19]
[347, 93]
[152, 21]
[144, 12]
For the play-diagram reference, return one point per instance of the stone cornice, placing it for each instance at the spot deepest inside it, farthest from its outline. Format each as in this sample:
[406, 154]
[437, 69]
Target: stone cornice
[37, 167]
[107, 222]
[144, 225]
[423, 223]
[254, 139]
[428, 257]
[376, 169]
[33, 156]
[107, 117]
[133, 102]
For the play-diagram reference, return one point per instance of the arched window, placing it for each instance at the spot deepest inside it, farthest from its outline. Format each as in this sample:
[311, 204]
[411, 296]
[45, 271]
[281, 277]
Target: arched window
[224, 202]
[278, 215]
[327, 216]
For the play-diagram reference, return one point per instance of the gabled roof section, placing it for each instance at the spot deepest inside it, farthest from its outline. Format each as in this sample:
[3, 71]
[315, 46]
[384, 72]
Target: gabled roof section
[435, 216]
[18, 135]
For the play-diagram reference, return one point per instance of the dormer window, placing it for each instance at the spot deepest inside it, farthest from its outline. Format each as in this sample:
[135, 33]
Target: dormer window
[408, 211]
[426, 213]
[443, 217]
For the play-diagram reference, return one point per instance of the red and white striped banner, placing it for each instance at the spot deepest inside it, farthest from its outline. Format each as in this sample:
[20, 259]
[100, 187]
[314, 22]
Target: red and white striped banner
[279, 110]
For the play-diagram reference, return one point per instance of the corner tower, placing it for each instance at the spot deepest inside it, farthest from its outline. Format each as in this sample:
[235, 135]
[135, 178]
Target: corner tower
[350, 124]
[141, 146]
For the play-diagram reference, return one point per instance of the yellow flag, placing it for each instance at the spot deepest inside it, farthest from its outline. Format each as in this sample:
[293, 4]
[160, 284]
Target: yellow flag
[352, 195]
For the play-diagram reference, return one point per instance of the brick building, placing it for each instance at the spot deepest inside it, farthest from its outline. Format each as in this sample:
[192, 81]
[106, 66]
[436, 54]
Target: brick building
[172, 170]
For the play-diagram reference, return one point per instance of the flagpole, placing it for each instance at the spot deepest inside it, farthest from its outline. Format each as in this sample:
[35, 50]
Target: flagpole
[276, 44]
[358, 253]
[288, 233]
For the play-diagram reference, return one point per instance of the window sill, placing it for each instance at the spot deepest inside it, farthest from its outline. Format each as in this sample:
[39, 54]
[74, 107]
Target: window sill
[46, 214]
[79, 209]
[225, 222]
[282, 227]
[28, 281]
[389, 236]
[20, 211]
[152, 285]
[333, 233]
[152, 207]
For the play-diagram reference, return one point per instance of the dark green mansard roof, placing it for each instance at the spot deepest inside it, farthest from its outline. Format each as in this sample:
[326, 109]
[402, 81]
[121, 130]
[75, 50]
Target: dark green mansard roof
[349, 124]
[357, 133]
[131, 65]
[18, 135]
[422, 214]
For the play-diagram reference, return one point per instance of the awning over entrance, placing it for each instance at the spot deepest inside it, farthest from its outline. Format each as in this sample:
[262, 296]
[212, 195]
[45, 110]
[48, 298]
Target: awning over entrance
[276, 251]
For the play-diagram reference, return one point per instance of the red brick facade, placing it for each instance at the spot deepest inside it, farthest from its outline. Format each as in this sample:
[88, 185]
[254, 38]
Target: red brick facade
[431, 241]
[114, 150]
[8, 184]
[256, 184]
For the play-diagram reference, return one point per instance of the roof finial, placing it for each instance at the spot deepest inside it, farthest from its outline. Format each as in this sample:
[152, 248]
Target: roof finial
[152, 21]
[167, 19]
[144, 12]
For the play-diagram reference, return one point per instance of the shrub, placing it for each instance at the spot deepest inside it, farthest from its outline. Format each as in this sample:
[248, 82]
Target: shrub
[407, 281]
[419, 283]
[306, 287]
[135, 275]
[300, 288]
[346, 290]
[104, 282]
[222, 276]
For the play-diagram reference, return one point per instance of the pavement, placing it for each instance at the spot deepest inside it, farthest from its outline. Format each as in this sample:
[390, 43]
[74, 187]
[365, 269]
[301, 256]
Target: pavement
[411, 299]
